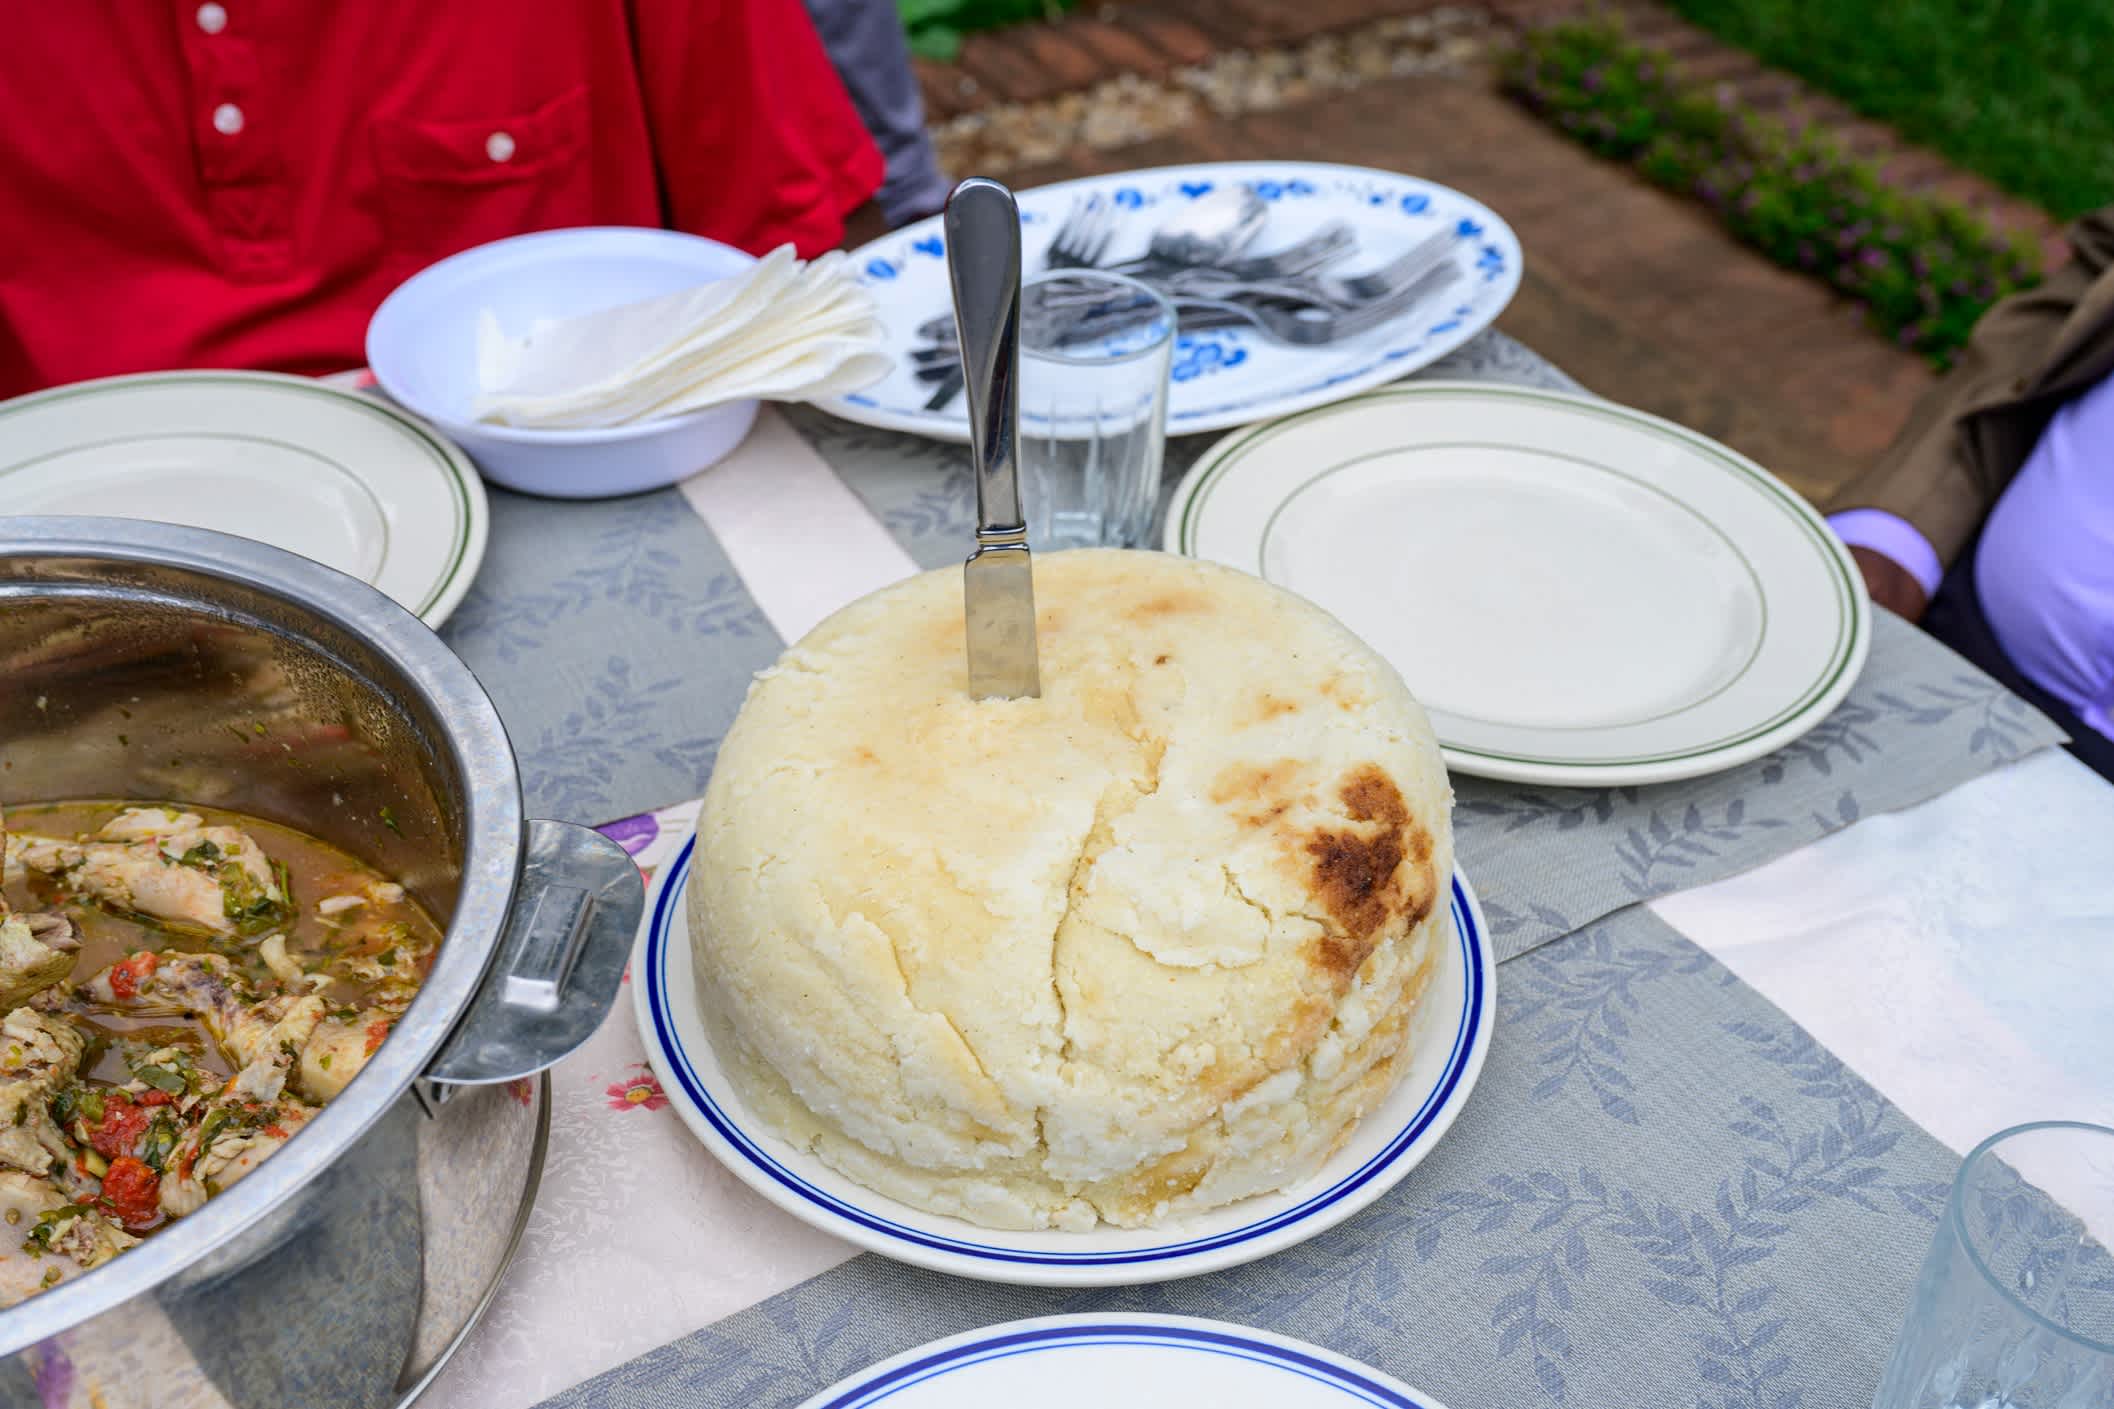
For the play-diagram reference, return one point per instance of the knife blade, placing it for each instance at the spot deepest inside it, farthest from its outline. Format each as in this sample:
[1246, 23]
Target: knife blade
[982, 228]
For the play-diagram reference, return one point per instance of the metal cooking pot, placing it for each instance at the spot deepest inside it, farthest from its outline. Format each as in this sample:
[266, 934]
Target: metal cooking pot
[142, 660]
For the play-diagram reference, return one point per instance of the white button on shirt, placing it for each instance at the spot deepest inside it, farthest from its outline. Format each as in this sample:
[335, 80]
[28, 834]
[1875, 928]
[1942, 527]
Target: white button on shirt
[227, 119]
[499, 146]
[212, 18]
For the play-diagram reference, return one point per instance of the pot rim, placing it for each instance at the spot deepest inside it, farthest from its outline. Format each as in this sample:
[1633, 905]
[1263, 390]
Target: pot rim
[478, 749]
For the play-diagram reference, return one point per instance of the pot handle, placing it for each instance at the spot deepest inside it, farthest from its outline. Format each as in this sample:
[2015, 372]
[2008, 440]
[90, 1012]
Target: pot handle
[568, 936]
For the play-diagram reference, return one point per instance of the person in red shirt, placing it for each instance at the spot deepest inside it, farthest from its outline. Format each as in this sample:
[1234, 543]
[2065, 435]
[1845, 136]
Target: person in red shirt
[238, 183]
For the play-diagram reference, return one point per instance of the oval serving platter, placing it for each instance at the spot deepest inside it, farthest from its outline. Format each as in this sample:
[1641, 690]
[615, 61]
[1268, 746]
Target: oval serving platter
[1222, 377]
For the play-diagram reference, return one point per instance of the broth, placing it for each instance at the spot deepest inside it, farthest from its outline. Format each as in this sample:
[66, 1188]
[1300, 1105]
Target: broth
[230, 976]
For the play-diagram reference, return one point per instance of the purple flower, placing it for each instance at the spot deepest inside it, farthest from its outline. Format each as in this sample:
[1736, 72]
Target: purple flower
[1591, 80]
[54, 1375]
[1807, 255]
[1871, 258]
[1909, 335]
[634, 834]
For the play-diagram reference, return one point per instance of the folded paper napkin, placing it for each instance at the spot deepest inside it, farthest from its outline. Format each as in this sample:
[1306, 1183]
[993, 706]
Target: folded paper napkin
[781, 331]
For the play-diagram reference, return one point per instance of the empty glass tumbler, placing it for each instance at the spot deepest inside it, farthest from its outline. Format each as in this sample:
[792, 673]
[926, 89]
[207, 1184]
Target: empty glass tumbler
[2015, 1306]
[1094, 355]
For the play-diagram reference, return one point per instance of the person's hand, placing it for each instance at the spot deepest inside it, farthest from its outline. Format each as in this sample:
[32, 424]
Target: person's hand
[1892, 586]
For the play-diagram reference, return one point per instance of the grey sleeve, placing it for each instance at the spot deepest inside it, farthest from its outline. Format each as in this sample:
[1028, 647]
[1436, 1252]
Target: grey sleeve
[866, 45]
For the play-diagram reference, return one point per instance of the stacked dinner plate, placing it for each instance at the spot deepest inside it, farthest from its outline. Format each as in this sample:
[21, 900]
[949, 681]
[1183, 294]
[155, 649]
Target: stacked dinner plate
[349, 480]
[1580, 594]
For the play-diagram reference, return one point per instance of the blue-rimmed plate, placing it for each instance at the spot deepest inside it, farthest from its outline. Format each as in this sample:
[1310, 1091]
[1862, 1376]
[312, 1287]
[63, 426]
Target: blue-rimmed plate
[1059, 1362]
[1224, 377]
[1453, 1033]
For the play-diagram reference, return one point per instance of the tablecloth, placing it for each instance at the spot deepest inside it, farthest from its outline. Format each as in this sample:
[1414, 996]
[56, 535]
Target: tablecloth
[660, 1241]
[2016, 959]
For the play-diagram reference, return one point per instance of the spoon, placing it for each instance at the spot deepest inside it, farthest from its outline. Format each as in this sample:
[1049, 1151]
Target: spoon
[1212, 229]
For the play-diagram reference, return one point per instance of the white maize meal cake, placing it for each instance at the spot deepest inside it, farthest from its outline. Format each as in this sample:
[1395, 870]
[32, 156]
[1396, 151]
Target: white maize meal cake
[1146, 945]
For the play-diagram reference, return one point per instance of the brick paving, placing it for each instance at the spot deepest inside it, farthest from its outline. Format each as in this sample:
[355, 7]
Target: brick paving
[1639, 294]
[1700, 55]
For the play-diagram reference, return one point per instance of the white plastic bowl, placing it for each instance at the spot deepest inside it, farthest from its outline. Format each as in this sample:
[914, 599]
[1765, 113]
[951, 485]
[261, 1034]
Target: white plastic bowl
[422, 348]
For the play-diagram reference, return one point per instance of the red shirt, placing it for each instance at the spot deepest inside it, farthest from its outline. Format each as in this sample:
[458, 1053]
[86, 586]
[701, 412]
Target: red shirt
[238, 183]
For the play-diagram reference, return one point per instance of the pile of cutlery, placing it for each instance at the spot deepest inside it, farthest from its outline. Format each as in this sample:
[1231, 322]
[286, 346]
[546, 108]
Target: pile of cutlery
[1199, 259]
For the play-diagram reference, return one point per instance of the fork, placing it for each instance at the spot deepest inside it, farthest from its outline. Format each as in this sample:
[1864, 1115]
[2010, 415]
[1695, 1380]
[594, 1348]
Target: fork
[1083, 238]
[1340, 291]
[1215, 228]
[1301, 324]
[1321, 292]
[1311, 324]
[1331, 242]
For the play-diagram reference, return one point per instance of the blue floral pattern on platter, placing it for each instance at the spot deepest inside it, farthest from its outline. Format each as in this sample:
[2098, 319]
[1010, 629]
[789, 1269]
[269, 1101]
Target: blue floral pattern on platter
[1203, 354]
[1224, 380]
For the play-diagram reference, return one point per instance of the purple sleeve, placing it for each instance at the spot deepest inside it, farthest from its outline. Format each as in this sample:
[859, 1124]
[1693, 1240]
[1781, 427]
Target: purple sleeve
[2045, 570]
[1894, 537]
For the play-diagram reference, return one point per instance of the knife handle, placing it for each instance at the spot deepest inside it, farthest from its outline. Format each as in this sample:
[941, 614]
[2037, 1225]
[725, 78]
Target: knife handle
[982, 226]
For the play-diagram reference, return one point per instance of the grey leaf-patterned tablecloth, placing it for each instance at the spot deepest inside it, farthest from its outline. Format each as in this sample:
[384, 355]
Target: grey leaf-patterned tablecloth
[1662, 1192]
[1662, 1195]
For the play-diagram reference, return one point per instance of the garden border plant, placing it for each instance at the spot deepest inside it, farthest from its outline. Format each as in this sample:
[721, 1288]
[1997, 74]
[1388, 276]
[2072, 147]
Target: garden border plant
[936, 27]
[1923, 266]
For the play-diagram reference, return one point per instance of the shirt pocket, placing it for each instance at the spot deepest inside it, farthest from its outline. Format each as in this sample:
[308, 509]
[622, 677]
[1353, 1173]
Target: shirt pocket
[448, 185]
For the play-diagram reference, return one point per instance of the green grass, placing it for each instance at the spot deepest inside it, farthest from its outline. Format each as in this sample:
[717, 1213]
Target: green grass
[2021, 91]
[1924, 267]
[936, 27]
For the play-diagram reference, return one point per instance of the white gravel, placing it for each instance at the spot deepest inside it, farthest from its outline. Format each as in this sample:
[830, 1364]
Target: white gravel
[1132, 108]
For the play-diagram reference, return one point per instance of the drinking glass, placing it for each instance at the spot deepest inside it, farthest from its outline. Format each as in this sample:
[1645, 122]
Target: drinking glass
[2015, 1305]
[1094, 355]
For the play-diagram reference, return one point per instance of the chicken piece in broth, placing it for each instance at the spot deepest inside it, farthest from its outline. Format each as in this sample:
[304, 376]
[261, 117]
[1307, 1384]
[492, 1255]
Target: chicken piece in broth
[38, 1055]
[266, 1038]
[167, 867]
[218, 1014]
[36, 950]
[45, 1238]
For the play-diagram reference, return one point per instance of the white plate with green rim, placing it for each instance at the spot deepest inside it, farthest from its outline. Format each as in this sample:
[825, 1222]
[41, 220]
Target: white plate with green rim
[1581, 594]
[345, 479]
